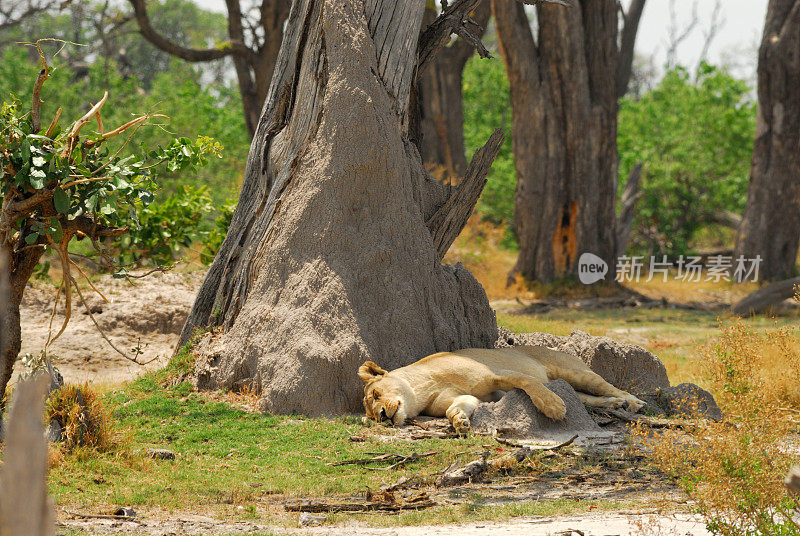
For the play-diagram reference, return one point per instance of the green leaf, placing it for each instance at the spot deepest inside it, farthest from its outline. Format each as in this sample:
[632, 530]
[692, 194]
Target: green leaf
[61, 201]
[32, 237]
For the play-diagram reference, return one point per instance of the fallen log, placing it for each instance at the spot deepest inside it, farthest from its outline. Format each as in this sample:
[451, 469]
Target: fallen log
[764, 298]
[397, 459]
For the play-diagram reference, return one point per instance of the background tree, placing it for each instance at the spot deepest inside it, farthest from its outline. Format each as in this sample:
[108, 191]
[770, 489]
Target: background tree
[254, 37]
[565, 83]
[771, 221]
[441, 99]
[333, 254]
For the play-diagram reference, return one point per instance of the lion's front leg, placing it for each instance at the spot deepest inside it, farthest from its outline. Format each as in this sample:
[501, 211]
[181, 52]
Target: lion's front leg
[460, 411]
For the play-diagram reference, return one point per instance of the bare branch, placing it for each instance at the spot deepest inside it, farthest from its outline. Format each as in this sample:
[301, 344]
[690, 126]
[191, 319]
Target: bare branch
[170, 47]
[676, 37]
[447, 223]
[453, 20]
[716, 24]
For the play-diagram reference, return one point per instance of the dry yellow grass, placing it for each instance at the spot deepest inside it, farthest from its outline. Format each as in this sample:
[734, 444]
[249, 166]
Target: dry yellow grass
[733, 470]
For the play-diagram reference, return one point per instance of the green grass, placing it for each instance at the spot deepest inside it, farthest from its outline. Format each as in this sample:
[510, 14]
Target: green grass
[226, 455]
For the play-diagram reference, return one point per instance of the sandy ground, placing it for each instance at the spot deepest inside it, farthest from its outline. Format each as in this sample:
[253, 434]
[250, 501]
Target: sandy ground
[599, 524]
[148, 313]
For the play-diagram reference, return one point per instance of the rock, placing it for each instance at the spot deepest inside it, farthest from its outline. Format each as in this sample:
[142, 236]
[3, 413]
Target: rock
[310, 520]
[54, 431]
[689, 400]
[160, 454]
[515, 416]
[125, 511]
[626, 366]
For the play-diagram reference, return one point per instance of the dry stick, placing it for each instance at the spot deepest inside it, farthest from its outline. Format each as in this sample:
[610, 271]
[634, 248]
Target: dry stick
[511, 443]
[53, 314]
[101, 516]
[64, 259]
[36, 117]
[389, 456]
[99, 329]
[53, 123]
[123, 128]
[88, 280]
[83, 180]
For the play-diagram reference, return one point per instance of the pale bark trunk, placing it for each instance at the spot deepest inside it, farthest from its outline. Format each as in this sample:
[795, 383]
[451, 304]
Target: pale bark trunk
[564, 102]
[328, 260]
[771, 222]
[441, 102]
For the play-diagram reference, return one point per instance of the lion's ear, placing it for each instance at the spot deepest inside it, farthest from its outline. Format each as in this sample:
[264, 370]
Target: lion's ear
[370, 372]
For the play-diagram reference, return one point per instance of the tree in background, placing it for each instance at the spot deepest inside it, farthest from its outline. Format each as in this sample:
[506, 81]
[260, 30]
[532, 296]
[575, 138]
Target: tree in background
[771, 221]
[441, 99]
[254, 37]
[565, 83]
[694, 136]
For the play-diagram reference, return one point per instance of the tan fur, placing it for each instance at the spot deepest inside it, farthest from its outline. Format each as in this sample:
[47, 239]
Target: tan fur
[452, 384]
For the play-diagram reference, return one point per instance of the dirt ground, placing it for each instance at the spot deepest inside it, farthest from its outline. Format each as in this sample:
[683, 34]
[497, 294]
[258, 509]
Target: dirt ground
[145, 313]
[594, 524]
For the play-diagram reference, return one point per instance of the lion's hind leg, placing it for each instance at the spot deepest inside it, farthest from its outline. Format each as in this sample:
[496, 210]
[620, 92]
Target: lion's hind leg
[589, 382]
[543, 398]
[460, 411]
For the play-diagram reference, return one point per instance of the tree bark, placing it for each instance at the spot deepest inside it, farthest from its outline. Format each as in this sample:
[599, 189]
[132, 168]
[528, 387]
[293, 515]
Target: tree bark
[20, 270]
[328, 260]
[771, 221]
[564, 105]
[441, 101]
[630, 197]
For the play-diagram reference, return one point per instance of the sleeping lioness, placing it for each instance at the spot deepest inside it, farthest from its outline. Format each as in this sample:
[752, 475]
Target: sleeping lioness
[454, 383]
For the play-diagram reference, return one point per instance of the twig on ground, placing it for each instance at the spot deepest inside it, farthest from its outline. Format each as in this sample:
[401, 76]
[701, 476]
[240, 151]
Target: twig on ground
[513, 443]
[385, 503]
[101, 516]
[398, 460]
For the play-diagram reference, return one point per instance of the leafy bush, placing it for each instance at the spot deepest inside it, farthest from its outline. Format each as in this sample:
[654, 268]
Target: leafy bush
[161, 231]
[695, 137]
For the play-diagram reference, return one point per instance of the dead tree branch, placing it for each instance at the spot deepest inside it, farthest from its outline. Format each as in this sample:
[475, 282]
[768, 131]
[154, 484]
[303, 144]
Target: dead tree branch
[676, 37]
[448, 222]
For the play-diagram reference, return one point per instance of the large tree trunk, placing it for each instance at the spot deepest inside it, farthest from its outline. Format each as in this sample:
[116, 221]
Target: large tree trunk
[441, 102]
[771, 221]
[329, 259]
[564, 102]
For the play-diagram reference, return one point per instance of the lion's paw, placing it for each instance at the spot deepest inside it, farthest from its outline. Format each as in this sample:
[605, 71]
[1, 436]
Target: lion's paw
[555, 409]
[461, 424]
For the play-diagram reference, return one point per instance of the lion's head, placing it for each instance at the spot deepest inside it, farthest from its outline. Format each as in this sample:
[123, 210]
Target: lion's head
[385, 398]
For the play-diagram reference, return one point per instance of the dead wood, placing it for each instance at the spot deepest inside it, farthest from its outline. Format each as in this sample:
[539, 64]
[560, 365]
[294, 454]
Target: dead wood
[652, 422]
[766, 297]
[398, 459]
[448, 222]
[383, 502]
[532, 448]
[25, 508]
[460, 474]
[101, 516]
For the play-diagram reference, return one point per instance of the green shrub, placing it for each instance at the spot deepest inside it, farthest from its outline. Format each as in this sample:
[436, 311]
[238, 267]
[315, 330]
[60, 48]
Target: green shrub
[695, 138]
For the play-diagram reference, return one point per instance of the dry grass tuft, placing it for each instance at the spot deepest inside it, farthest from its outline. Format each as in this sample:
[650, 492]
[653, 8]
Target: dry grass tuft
[733, 470]
[84, 419]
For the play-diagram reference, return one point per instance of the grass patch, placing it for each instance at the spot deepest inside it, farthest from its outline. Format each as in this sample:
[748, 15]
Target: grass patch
[226, 455]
